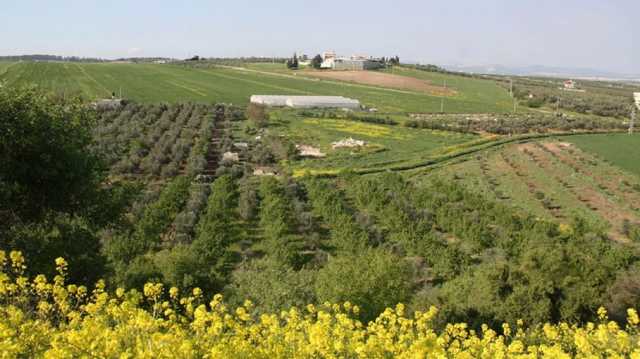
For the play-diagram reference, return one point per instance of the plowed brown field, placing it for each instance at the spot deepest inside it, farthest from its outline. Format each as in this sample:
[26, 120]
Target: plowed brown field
[383, 80]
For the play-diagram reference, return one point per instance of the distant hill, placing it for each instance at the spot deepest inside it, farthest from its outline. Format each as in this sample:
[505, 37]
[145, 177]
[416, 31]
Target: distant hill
[540, 70]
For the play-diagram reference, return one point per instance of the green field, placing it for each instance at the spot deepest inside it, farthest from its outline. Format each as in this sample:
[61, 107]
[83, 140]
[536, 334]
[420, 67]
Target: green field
[151, 83]
[470, 89]
[620, 149]
[386, 145]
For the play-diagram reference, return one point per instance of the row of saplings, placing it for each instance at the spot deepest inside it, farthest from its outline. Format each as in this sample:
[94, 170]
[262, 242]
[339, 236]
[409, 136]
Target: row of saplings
[294, 242]
[284, 242]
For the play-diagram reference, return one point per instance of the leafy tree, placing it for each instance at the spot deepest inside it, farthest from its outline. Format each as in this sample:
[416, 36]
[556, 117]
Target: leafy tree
[316, 62]
[292, 63]
[52, 184]
[248, 200]
[373, 279]
[277, 221]
[271, 286]
[45, 162]
[257, 114]
[624, 293]
[216, 232]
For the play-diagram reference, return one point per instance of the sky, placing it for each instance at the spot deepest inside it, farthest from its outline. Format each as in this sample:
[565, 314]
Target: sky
[595, 34]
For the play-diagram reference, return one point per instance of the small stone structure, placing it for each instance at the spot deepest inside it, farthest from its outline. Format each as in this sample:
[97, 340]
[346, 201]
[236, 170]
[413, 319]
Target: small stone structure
[347, 143]
[108, 104]
[230, 157]
[264, 171]
[309, 151]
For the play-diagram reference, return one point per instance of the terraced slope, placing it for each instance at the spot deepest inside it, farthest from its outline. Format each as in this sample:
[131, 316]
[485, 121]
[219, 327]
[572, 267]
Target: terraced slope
[555, 180]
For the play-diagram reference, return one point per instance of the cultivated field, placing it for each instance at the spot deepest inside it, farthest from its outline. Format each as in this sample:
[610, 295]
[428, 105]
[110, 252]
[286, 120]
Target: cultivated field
[554, 180]
[466, 88]
[620, 149]
[382, 79]
[150, 83]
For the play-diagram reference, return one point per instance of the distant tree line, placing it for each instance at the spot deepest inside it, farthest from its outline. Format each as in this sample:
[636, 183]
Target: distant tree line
[508, 124]
[51, 58]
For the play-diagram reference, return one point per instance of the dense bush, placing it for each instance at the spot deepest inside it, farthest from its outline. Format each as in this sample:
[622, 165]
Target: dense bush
[376, 280]
[53, 195]
[347, 115]
[277, 222]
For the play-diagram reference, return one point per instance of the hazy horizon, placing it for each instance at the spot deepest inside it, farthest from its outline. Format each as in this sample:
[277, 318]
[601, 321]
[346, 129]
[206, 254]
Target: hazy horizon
[576, 34]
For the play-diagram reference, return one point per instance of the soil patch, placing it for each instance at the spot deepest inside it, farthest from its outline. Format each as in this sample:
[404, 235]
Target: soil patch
[383, 80]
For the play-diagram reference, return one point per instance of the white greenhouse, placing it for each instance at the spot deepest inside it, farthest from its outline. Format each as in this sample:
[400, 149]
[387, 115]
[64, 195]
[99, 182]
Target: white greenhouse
[306, 101]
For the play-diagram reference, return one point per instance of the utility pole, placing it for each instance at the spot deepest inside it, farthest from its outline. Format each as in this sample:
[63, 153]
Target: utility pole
[633, 120]
[442, 105]
[511, 87]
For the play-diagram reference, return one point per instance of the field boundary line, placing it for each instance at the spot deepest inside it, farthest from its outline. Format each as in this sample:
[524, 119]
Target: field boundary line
[91, 78]
[185, 87]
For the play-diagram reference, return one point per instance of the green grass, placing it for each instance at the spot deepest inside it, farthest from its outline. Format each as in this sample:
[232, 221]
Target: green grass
[622, 150]
[385, 145]
[469, 89]
[4, 67]
[155, 83]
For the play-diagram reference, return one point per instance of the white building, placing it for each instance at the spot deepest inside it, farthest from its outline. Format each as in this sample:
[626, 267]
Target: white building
[636, 97]
[306, 101]
[569, 85]
[353, 63]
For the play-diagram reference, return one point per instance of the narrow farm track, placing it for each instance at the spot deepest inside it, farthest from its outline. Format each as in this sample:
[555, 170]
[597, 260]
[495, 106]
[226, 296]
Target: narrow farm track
[92, 79]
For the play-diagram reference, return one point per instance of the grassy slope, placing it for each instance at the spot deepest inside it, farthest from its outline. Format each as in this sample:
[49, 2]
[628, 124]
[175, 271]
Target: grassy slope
[469, 89]
[622, 150]
[155, 83]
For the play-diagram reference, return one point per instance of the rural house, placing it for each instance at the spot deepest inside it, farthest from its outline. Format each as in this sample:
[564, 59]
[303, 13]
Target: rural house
[354, 63]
